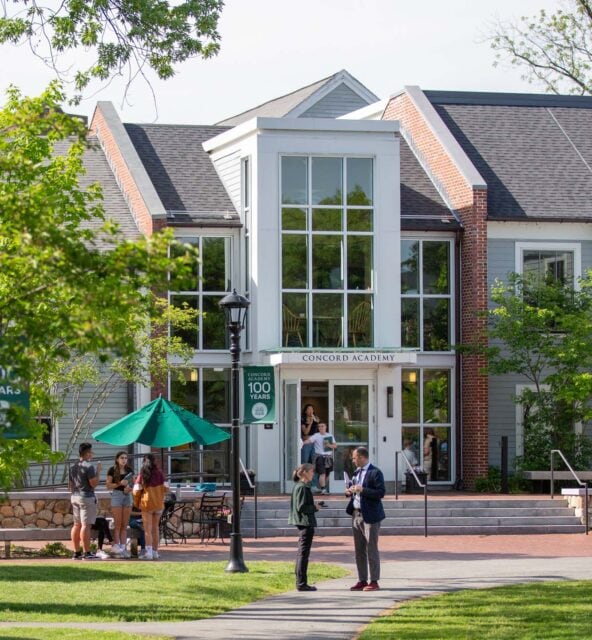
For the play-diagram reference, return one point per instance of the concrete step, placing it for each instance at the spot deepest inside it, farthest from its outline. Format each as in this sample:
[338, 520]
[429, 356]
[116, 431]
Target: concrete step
[263, 532]
[486, 516]
[433, 512]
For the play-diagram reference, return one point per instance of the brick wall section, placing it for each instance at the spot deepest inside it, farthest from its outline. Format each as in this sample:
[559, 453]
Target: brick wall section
[127, 184]
[470, 204]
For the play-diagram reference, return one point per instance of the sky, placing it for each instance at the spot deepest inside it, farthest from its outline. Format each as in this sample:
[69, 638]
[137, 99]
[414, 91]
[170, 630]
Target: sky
[273, 47]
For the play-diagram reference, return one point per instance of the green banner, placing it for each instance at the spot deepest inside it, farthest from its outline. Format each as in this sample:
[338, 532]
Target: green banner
[259, 395]
[11, 393]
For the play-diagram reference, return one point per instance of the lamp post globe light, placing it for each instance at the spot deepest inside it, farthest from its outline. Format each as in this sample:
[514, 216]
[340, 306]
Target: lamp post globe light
[235, 307]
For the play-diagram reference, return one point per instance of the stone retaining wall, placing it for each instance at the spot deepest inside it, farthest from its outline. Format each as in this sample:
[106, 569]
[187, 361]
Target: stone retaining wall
[45, 510]
[577, 503]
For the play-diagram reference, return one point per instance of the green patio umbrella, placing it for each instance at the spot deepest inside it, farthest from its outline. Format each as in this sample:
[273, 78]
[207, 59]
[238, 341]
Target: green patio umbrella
[161, 424]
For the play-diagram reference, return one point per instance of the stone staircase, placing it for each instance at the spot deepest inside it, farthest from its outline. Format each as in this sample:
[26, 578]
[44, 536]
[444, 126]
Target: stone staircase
[446, 516]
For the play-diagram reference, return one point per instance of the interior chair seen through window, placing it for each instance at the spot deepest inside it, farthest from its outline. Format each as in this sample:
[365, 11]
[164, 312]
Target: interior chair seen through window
[359, 325]
[292, 326]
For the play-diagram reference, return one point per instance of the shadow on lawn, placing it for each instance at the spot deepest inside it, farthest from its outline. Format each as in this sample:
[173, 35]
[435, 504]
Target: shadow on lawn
[140, 600]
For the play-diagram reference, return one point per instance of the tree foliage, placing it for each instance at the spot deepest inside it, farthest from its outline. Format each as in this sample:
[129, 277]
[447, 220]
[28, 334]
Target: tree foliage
[121, 37]
[67, 286]
[554, 49]
[542, 330]
[81, 385]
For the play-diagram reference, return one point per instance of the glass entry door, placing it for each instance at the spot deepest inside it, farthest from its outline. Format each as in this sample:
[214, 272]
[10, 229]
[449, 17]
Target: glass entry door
[350, 411]
[291, 439]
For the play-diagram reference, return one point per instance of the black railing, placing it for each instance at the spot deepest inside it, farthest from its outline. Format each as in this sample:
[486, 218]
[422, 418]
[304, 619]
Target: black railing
[54, 475]
[250, 482]
[420, 484]
[574, 474]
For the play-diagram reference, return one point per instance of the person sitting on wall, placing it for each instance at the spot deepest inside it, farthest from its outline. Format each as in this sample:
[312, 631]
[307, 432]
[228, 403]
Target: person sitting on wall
[101, 526]
[135, 522]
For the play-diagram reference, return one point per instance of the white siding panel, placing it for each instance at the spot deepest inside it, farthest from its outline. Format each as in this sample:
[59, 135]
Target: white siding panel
[502, 417]
[336, 103]
[502, 389]
[229, 169]
[115, 407]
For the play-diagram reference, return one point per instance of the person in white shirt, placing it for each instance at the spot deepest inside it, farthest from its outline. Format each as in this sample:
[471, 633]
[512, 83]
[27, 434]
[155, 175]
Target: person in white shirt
[409, 453]
[324, 445]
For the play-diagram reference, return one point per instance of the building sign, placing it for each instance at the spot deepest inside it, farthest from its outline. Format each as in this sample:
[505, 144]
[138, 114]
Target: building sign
[259, 395]
[11, 392]
[347, 358]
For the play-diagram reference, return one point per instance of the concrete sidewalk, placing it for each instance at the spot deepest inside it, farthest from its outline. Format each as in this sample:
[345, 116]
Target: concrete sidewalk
[411, 568]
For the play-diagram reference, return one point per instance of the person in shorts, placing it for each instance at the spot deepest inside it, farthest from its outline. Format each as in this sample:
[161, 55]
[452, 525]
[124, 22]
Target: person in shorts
[83, 478]
[120, 483]
[325, 445]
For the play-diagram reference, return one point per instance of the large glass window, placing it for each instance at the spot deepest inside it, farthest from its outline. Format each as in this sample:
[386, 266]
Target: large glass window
[426, 304]
[205, 392]
[327, 221]
[426, 416]
[210, 284]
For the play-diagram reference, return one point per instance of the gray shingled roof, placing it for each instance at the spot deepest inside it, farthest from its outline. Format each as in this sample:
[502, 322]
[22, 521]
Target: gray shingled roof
[98, 171]
[422, 208]
[182, 172]
[534, 152]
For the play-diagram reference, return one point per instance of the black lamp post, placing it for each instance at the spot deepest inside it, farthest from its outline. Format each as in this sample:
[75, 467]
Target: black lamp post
[235, 307]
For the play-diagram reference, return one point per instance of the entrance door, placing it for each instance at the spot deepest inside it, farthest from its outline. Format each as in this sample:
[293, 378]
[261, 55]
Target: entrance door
[350, 410]
[291, 439]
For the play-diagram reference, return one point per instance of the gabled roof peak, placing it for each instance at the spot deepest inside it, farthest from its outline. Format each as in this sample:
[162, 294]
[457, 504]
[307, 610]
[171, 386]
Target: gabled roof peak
[299, 100]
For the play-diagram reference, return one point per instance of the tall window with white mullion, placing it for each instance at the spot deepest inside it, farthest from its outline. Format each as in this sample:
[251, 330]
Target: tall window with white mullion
[426, 434]
[206, 392]
[327, 219]
[210, 284]
[426, 295]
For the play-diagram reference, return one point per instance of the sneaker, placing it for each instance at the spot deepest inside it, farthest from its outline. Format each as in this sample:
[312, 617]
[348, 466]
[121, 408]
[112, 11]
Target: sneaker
[324, 492]
[126, 554]
[371, 586]
[155, 555]
[359, 586]
[141, 554]
[77, 556]
[102, 555]
[89, 555]
[116, 552]
[306, 587]
[146, 556]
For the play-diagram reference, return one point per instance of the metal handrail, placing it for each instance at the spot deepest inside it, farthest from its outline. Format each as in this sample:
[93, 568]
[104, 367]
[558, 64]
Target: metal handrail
[252, 485]
[574, 474]
[420, 484]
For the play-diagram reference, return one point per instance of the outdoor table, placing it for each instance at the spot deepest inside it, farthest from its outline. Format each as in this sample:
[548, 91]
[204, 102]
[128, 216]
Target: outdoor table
[172, 519]
[207, 512]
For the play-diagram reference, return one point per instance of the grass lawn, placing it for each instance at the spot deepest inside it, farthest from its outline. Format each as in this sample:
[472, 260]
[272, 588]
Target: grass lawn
[36, 633]
[105, 591]
[536, 611]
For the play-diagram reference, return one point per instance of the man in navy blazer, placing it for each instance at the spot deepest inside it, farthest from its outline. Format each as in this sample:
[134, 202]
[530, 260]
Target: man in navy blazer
[365, 506]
